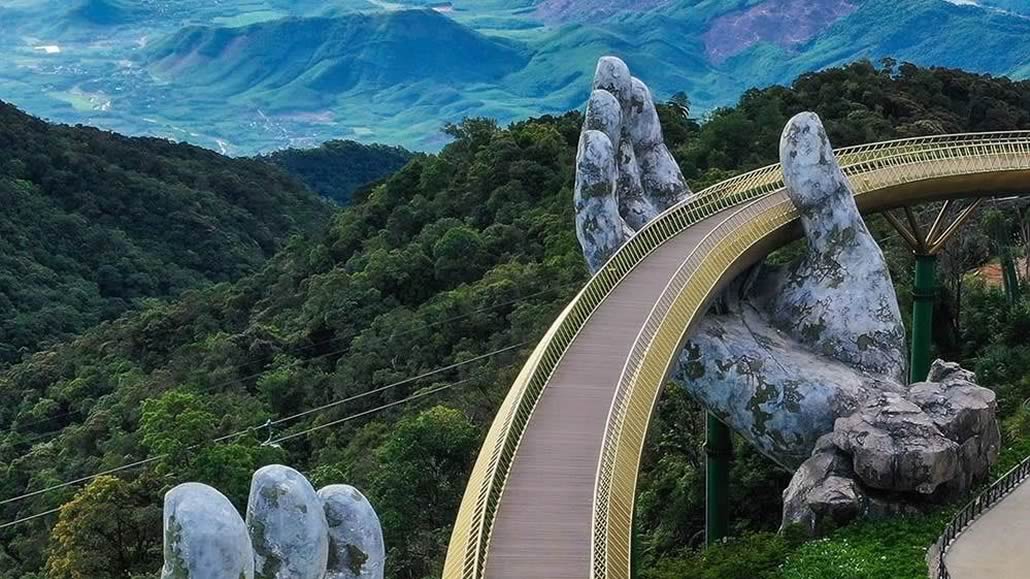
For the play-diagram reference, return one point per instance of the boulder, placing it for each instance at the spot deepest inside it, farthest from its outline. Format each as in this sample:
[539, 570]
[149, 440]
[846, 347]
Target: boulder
[965, 413]
[823, 493]
[895, 446]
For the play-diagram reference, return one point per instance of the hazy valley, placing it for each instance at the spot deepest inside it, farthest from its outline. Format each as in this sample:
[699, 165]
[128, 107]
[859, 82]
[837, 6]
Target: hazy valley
[224, 76]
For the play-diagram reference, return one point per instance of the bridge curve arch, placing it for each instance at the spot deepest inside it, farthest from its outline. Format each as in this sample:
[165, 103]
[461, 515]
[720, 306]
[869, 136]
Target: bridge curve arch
[552, 491]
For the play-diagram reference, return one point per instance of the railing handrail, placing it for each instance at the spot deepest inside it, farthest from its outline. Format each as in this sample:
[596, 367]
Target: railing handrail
[972, 510]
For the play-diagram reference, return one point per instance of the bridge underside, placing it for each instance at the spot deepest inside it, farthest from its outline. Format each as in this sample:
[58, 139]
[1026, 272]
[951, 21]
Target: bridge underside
[552, 493]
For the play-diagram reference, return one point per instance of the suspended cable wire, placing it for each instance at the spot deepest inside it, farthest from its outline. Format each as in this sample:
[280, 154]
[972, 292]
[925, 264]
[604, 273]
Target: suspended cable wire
[29, 518]
[371, 411]
[392, 336]
[398, 383]
[258, 427]
[270, 442]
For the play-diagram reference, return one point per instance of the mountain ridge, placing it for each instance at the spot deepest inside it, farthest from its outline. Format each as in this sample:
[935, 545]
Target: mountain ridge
[336, 54]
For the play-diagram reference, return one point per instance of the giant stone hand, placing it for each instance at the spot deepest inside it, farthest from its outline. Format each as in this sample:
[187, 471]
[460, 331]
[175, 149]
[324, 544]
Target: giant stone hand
[807, 361]
[291, 532]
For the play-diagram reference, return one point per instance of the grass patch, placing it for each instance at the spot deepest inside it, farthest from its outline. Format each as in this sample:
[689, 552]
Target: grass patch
[893, 548]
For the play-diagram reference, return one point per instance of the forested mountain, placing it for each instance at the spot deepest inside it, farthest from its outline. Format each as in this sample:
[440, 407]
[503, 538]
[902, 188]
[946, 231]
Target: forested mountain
[94, 223]
[458, 255]
[336, 169]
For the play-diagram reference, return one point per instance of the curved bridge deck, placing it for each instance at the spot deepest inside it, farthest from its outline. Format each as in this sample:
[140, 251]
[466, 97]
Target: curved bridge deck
[551, 495]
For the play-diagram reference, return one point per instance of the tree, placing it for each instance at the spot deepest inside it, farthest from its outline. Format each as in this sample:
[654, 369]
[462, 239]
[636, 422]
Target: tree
[682, 102]
[459, 256]
[182, 426]
[421, 472]
[111, 529]
[174, 424]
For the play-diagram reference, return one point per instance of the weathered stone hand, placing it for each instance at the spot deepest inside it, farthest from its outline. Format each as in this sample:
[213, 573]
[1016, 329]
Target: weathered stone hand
[290, 532]
[625, 175]
[792, 354]
[790, 349]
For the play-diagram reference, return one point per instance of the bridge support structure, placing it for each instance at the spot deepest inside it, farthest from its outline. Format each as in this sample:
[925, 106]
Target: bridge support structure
[926, 246]
[718, 454]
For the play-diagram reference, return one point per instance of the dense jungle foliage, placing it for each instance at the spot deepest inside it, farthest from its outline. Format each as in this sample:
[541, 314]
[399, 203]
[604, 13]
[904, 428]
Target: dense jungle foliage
[336, 169]
[455, 256]
[93, 223]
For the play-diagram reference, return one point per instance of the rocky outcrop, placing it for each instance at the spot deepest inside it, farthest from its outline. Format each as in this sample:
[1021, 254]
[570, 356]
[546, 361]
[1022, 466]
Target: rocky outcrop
[895, 446]
[898, 453]
[807, 361]
[204, 536]
[291, 532]
[823, 493]
[356, 549]
[966, 414]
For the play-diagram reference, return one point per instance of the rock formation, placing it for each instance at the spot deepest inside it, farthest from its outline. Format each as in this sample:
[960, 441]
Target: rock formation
[291, 532]
[805, 361]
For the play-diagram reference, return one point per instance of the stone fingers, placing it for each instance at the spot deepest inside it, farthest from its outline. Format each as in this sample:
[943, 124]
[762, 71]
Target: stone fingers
[612, 77]
[291, 532]
[287, 526]
[814, 180]
[599, 226]
[356, 549]
[204, 536]
[662, 181]
[647, 178]
[838, 299]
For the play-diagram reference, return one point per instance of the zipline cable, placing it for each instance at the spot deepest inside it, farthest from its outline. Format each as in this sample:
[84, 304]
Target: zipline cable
[344, 350]
[258, 427]
[275, 441]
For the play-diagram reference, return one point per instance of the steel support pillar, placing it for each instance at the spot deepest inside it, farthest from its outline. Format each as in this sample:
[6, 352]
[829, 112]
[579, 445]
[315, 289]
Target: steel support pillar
[718, 453]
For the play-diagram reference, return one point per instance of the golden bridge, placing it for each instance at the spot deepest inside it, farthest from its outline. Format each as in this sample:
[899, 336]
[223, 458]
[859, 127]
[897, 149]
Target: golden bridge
[551, 495]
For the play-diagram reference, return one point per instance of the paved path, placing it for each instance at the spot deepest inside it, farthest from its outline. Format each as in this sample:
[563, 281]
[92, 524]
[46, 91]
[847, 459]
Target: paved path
[997, 545]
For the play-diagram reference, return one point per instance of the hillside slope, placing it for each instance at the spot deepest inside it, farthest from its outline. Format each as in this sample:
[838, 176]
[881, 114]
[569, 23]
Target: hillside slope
[455, 256]
[336, 169]
[94, 222]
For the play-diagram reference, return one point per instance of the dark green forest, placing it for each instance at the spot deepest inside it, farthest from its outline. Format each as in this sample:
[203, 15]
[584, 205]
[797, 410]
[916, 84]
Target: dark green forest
[455, 256]
[336, 169]
[94, 223]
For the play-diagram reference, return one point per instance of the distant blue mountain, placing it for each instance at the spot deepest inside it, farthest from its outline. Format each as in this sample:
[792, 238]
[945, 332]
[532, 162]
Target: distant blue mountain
[262, 74]
[334, 55]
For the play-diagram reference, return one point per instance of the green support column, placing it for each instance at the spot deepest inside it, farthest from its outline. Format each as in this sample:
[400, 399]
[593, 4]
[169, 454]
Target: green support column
[1009, 276]
[718, 452]
[924, 291]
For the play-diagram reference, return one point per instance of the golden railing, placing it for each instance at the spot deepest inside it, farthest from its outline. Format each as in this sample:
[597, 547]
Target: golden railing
[762, 209]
